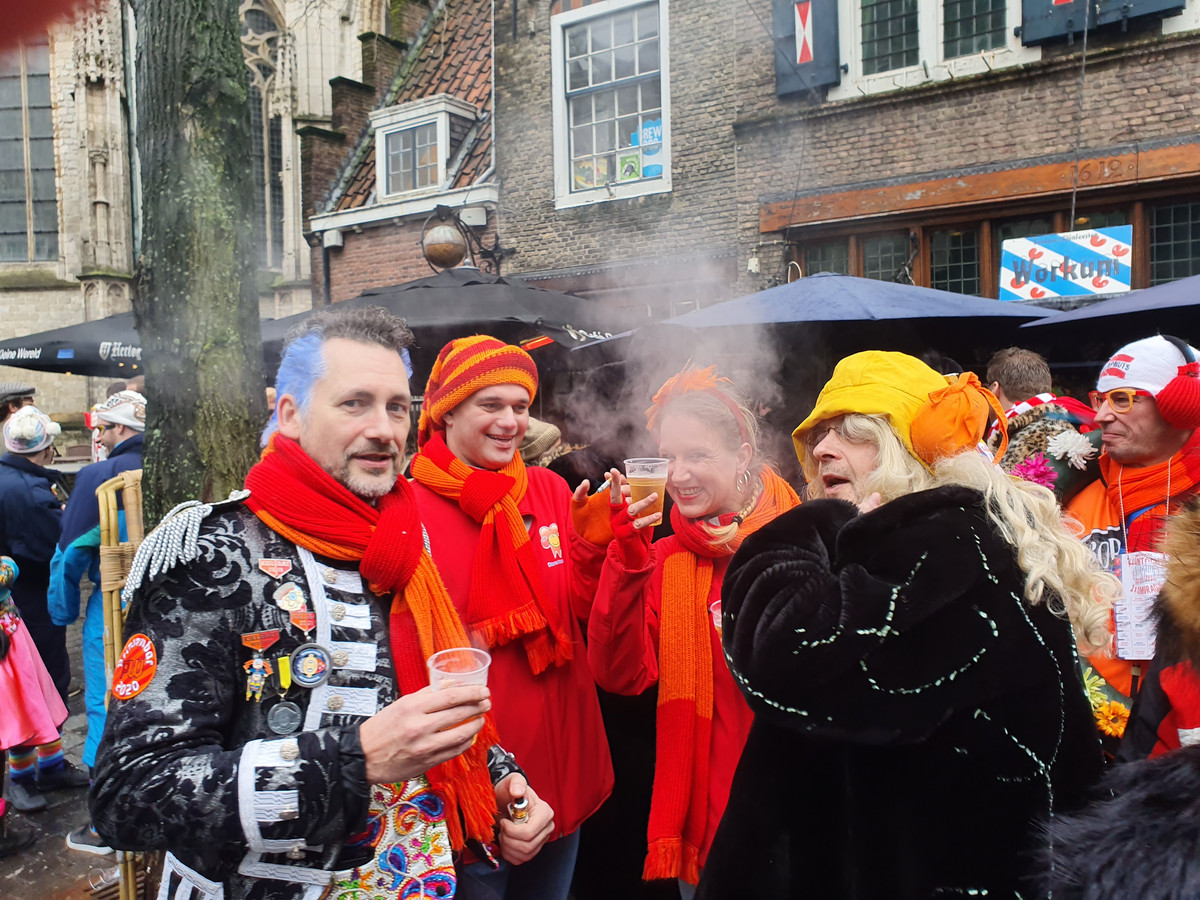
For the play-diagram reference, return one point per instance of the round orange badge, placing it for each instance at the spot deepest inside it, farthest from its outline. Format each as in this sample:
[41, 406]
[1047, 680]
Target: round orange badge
[135, 668]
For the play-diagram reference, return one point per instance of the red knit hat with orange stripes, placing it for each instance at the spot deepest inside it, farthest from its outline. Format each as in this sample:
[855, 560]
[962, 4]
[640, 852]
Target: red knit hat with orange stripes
[465, 366]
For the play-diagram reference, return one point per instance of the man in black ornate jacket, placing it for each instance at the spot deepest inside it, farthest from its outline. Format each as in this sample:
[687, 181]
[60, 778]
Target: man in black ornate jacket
[902, 638]
[264, 726]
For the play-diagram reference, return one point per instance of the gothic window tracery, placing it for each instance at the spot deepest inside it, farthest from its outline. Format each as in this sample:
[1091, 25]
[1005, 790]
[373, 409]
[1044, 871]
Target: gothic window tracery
[262, 32]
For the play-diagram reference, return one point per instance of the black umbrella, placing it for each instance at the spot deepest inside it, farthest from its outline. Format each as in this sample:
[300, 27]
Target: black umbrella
[450, 304]
[464, 301]
[105, 347]
[826, 297]
[1178, 299]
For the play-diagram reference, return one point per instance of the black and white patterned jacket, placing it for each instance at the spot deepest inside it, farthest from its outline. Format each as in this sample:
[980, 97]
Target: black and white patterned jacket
[190, 765]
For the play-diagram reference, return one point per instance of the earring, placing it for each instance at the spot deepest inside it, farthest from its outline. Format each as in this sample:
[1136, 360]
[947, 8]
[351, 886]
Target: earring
[743, 482]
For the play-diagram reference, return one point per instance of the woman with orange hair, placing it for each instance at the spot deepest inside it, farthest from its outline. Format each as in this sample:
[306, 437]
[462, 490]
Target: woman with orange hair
[650, 621]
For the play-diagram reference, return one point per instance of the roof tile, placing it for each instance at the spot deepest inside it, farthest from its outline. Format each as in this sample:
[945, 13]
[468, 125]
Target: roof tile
[454, 58]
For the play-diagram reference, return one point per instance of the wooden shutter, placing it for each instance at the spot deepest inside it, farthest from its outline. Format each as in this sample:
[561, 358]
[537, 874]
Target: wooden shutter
[1043, 21]
[806, 58]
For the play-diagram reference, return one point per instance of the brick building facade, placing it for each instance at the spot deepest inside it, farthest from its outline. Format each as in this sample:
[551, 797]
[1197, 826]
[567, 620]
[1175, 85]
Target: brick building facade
[917, 148]
[414, 135]
[68, 214]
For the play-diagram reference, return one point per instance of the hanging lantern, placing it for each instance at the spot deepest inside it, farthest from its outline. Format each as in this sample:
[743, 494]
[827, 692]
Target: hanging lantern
[444, 245]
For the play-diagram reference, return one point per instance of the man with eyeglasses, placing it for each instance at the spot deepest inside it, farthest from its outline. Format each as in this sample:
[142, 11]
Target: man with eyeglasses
[122, 418]
[1147, 403]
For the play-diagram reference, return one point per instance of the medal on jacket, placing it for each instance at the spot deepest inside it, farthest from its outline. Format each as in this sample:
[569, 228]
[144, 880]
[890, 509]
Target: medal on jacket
[304, 619]
[284, 717]
[258, 670]
[284, 664]
[289, 597]
[275, 568]
[311, 665]
[260, 640]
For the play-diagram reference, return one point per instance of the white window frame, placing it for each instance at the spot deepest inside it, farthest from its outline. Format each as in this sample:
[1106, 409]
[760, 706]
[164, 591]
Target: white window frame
[428, 110]
[564, 197]
[933, 66]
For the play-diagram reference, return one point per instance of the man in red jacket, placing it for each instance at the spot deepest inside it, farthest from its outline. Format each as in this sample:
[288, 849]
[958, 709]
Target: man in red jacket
[1147, 403]
[501, 535]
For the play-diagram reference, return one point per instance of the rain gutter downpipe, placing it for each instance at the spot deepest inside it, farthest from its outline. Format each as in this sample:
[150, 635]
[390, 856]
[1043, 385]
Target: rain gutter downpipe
[325, 271]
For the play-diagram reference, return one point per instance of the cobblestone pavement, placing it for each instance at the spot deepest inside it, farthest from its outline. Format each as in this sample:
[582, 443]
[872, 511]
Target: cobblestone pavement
[48, 870]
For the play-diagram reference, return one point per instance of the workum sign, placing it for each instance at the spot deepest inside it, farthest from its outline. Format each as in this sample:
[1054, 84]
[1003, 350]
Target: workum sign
[1073, 264]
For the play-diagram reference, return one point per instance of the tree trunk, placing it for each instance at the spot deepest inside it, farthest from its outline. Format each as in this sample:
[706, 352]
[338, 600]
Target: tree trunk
[196, 306]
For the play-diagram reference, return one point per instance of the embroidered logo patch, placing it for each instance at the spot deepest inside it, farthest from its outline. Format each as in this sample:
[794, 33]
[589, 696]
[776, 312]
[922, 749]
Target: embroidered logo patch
[136, 667]
[550, 539]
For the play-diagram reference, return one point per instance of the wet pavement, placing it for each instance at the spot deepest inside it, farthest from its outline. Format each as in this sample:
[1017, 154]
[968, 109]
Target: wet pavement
[49, 870]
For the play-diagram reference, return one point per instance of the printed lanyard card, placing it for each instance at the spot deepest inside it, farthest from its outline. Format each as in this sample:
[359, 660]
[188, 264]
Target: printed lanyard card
[1142, 576]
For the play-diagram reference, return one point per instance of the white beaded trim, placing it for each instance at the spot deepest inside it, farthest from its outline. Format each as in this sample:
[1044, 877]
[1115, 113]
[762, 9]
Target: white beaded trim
[176, 540]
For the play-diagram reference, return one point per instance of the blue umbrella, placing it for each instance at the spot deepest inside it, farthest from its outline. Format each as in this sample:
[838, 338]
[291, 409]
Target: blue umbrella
[826, 297]
[1173, 295]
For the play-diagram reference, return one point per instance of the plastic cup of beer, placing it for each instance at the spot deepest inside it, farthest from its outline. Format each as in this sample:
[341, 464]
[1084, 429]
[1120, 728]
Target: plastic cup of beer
[647, 476]
[714, 610]
[458, 665]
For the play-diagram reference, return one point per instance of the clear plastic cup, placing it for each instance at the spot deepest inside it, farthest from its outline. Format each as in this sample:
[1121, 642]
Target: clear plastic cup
[646, 476]
[458, 665]
[714, 610]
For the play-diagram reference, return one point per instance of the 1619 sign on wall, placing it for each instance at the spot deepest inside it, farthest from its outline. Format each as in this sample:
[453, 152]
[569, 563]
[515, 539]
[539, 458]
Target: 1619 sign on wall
[1072, 264]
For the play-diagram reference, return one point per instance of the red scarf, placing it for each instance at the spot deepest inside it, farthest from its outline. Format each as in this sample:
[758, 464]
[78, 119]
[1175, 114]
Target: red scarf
[679, 805]
[298, 500]
[506, 600]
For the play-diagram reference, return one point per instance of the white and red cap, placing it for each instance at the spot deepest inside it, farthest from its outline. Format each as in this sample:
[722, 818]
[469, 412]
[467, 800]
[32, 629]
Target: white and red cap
[1147, 365]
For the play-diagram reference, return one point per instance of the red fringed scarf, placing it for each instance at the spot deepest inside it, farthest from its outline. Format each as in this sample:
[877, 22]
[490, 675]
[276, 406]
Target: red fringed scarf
[507, 599]
[679, 806]
[298, 500]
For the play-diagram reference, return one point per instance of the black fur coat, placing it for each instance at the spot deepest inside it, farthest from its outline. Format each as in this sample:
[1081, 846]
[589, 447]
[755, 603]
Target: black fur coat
[915, 717]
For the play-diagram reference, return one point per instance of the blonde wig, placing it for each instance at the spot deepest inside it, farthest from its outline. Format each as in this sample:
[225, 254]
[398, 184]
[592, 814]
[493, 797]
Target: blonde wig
[1027, 516]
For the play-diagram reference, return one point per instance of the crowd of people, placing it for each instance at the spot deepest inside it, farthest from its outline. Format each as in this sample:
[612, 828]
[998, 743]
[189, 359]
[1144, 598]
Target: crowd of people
[903, 675]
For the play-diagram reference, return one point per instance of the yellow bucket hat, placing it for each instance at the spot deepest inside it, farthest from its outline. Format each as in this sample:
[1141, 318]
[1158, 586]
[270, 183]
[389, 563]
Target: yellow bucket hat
[933, 415]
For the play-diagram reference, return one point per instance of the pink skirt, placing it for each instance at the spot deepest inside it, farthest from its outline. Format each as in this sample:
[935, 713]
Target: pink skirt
[31, 711]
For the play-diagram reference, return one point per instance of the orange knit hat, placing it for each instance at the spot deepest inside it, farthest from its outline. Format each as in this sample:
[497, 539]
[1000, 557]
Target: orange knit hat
[466, 365]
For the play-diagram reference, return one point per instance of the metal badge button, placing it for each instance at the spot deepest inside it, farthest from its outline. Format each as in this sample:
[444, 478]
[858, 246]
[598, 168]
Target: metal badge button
[311, 665]
[336, 702]
[330, 576]
[289, 597]
[338, 612]
[297, 852]
[284, 717]
[340, 658]
[289, 750]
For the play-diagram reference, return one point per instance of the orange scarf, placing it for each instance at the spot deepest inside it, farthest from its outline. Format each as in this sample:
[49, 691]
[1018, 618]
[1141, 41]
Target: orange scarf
[679, 806]
[1142, 491]
[506, 600]
[298, 500]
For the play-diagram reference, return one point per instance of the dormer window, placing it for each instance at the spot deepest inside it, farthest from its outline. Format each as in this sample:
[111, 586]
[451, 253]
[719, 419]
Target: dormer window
[416, 143]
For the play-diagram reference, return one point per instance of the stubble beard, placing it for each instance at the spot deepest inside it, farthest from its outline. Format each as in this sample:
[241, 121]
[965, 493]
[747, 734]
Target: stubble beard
[369, 487]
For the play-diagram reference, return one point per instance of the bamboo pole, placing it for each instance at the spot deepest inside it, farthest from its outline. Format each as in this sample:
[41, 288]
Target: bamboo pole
[116, 556]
